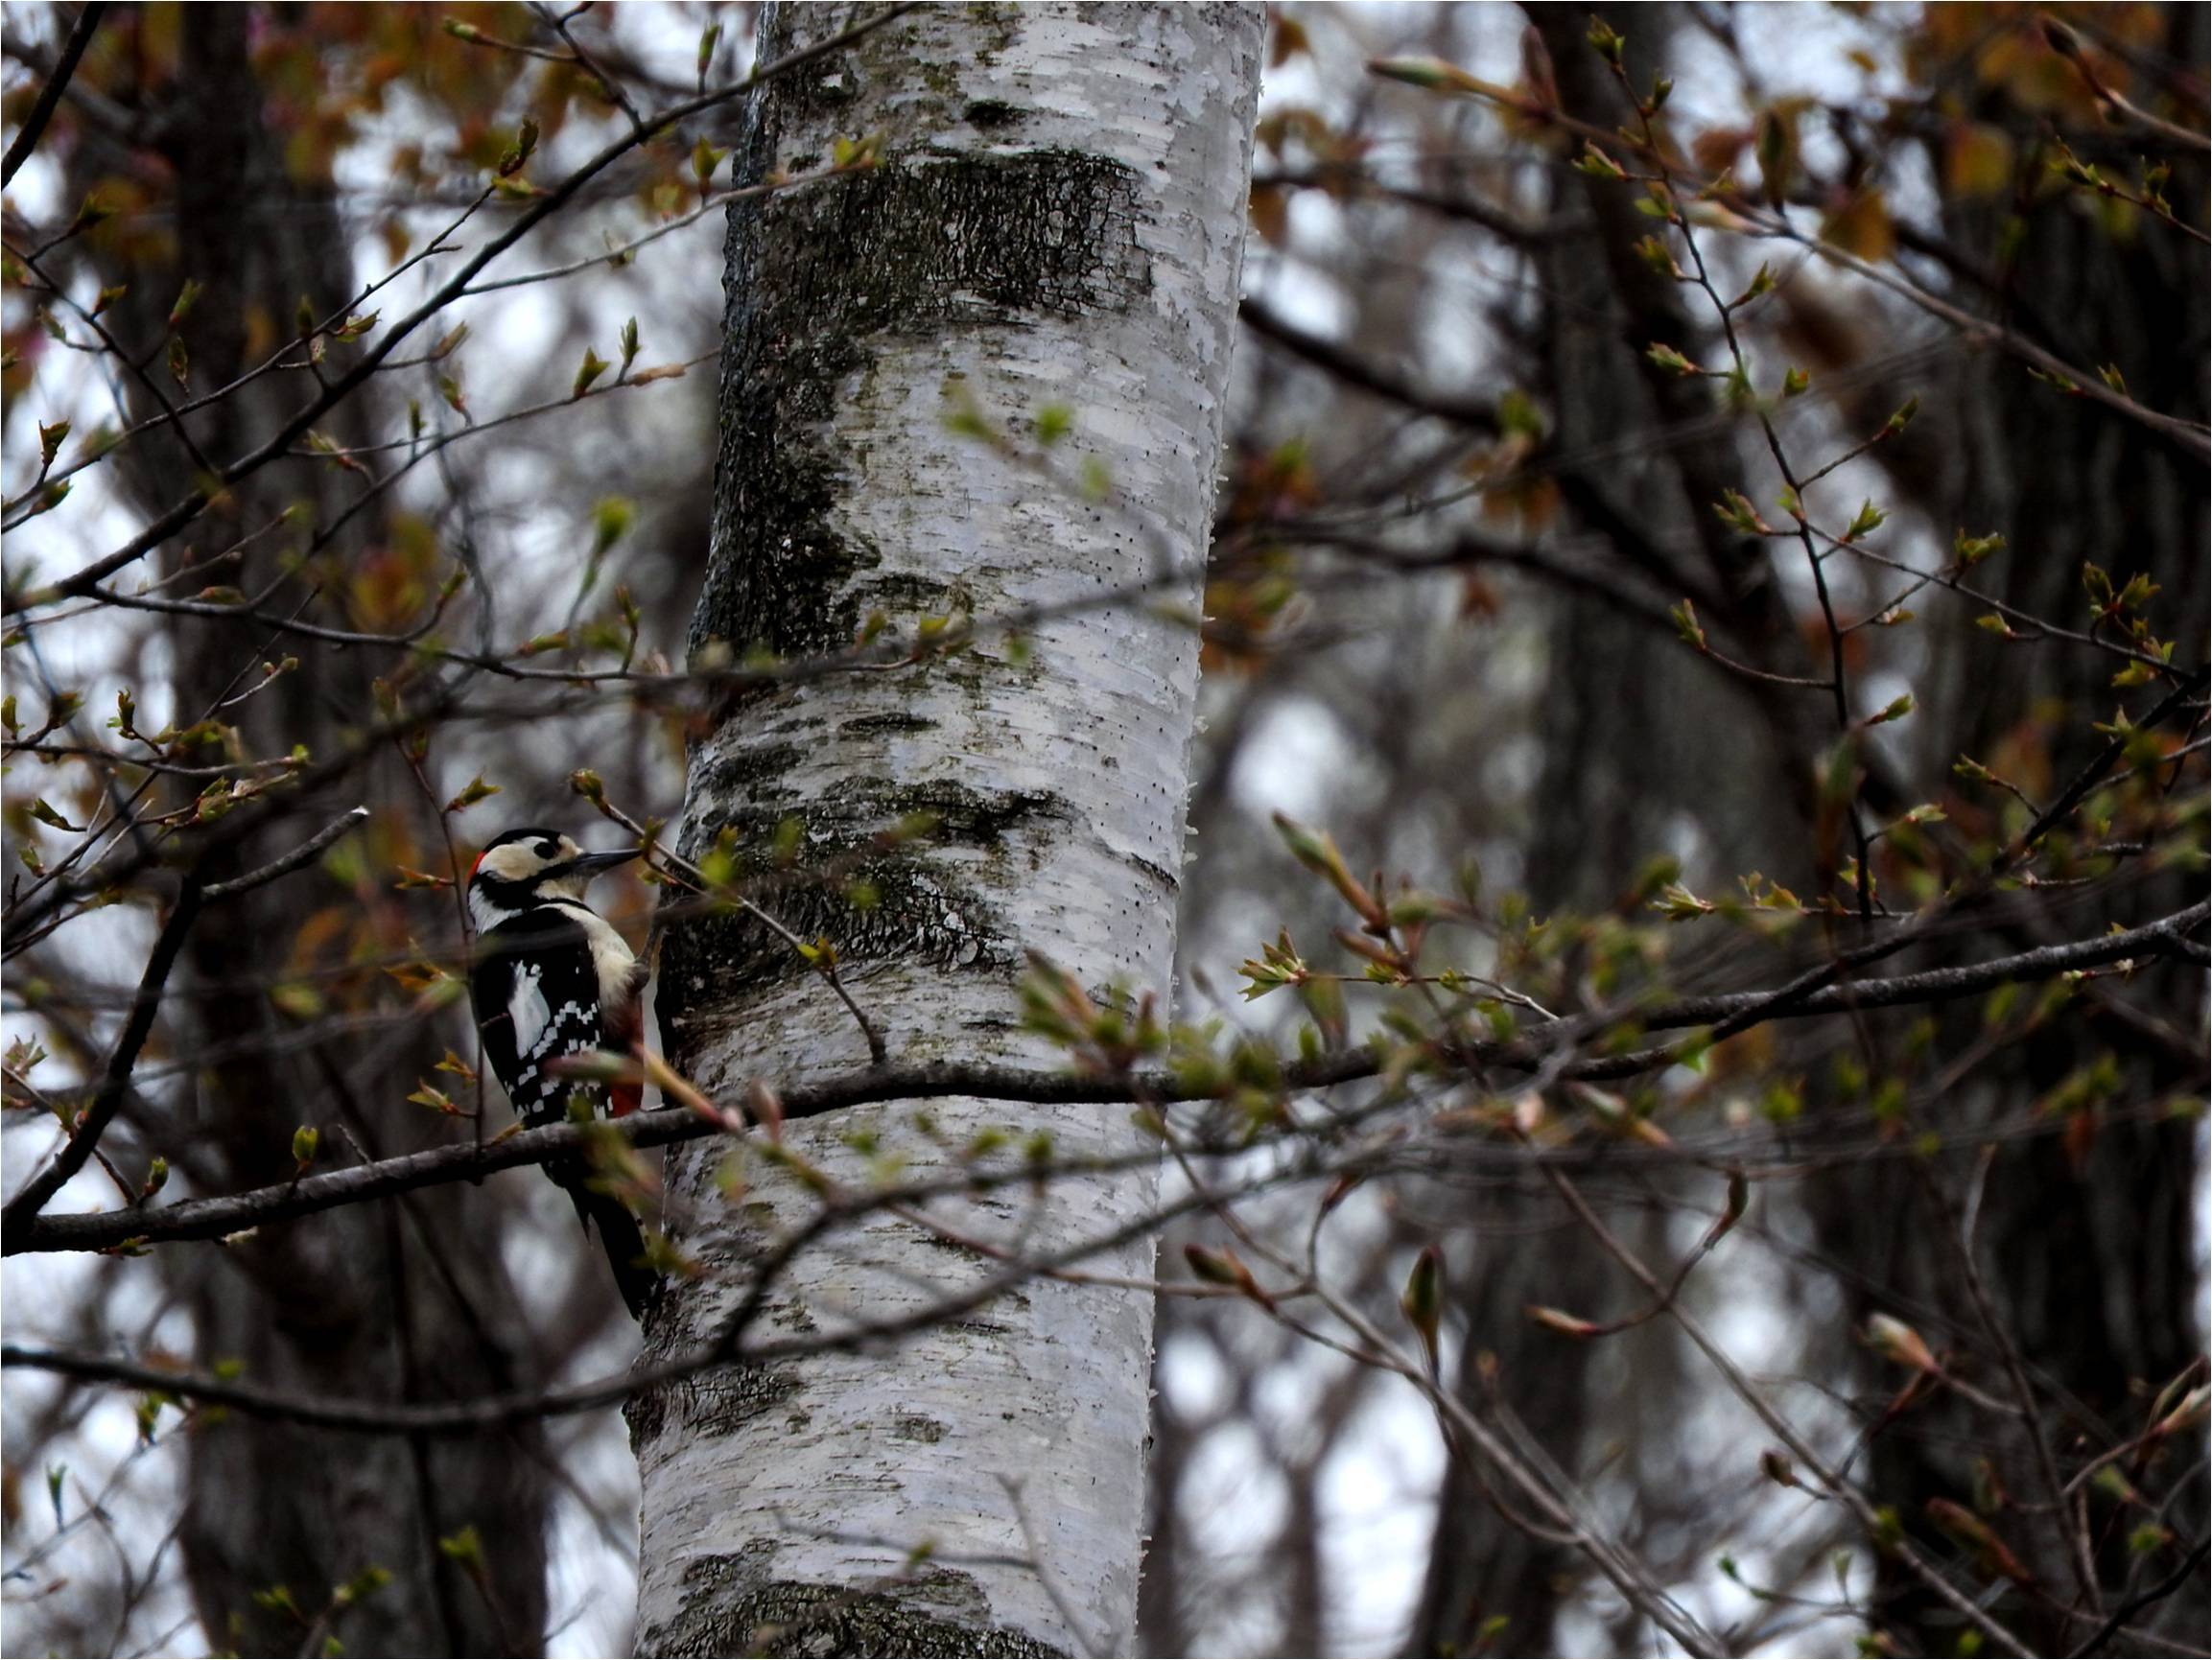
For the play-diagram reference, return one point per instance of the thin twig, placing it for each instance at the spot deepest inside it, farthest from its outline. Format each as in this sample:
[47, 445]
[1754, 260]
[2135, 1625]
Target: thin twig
[50, 95]
[305, 854]
[193, 503]
[22, 1211]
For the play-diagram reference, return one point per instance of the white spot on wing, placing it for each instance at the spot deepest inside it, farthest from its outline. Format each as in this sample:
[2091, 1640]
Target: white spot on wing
[525, 1007]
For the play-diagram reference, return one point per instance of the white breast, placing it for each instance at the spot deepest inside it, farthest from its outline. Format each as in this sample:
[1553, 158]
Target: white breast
[612, 958]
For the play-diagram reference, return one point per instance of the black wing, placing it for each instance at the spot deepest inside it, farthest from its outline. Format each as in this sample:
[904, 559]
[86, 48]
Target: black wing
[537, 998]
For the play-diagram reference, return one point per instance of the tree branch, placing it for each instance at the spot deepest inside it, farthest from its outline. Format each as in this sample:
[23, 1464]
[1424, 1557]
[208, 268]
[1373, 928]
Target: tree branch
[189, 506]
[50, 95]
[305, 852]
[726, 1348]
[1263, 320]
[1539, 1044]
[21, 1212]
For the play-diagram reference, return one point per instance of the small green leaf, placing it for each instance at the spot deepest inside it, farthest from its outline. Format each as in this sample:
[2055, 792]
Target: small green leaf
[46, 815]
[518, 153]
[1867, 520]
[1687, 624]
[187, 297]
[1656, 255]
[611, 518]
[1734, 509]
[1597, 164]
[474, 792]
[1424, 1298]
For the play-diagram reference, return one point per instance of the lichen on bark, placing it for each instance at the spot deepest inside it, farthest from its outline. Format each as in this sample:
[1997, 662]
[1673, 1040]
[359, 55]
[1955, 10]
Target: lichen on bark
[790, 1617]
[926, 242]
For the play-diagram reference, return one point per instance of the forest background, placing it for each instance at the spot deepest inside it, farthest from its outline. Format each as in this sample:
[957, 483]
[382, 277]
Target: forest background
[1704, 507]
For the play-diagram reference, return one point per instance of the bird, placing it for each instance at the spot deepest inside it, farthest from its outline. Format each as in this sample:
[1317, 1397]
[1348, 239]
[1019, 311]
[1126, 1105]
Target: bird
[552, 977]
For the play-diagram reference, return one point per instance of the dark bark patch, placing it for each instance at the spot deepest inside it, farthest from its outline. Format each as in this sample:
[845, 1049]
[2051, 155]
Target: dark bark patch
[926, 243]
[713, 1404]
[897, 723]
[991, 115]
[922, 909]
[936, 238]
[751, 771]
[902, 595]
[730, 1608]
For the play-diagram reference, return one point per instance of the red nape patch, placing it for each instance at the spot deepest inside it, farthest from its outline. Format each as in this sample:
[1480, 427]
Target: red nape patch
[474, 863]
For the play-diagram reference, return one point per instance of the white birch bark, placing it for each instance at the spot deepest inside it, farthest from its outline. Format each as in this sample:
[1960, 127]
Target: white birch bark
[1057, 220]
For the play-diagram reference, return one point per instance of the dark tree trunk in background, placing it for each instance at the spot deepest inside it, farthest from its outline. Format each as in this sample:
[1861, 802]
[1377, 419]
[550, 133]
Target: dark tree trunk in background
[404, 1301]
[1627, 770]
[2094, 1270]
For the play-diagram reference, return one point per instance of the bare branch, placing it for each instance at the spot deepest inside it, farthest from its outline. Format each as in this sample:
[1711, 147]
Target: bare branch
[302, 854]
[1539, 1047]
[22, 1211]
[189, 506]
[50, 95]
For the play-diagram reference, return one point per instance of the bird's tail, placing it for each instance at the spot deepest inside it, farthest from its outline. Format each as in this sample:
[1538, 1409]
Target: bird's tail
[624, 1241]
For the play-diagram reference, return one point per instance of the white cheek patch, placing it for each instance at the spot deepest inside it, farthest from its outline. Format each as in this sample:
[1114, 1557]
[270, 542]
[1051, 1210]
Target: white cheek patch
[525, 1007]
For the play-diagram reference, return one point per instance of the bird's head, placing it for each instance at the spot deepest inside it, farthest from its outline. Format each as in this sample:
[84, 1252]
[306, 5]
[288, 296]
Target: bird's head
[522, 868]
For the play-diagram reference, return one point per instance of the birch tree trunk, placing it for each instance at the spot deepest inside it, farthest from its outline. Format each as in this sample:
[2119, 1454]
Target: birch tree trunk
[1057, 220]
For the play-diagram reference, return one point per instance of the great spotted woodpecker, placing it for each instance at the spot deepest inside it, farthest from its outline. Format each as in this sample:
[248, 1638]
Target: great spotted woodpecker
[552, 977]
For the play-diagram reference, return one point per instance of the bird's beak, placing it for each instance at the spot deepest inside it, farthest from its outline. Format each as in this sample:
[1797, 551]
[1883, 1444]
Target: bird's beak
[591, 864]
